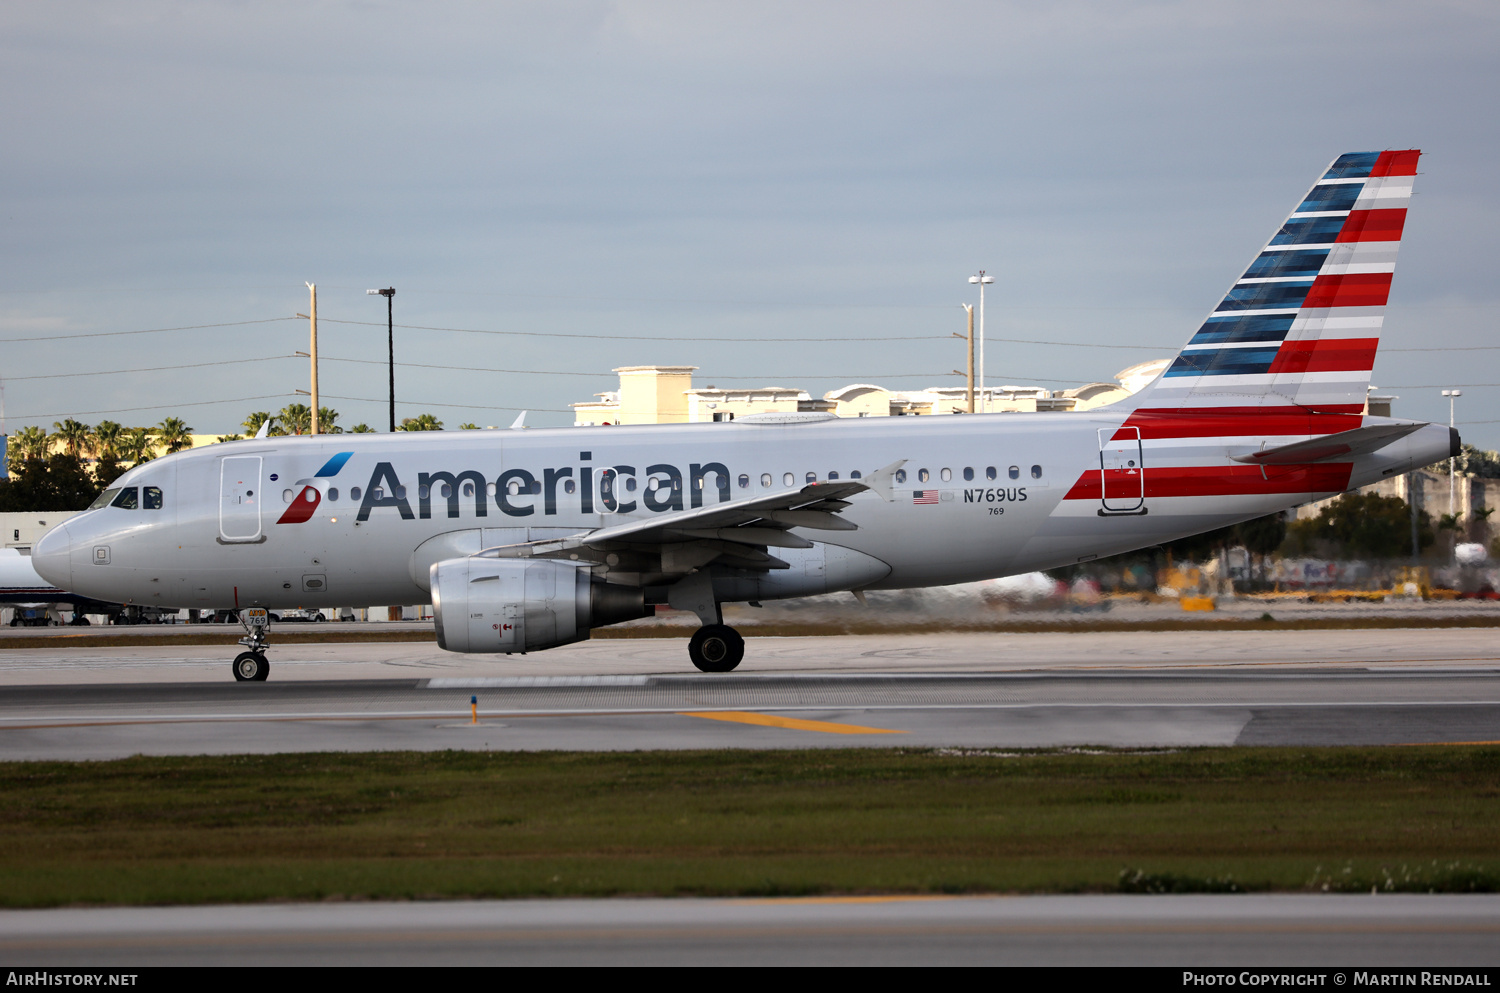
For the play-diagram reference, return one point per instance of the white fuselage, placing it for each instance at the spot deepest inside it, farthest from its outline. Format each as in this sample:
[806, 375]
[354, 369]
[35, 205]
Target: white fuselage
[1001, 494]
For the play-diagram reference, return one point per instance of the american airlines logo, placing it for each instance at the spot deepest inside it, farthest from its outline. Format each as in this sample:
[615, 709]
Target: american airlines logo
[521, 493]
[305, 503]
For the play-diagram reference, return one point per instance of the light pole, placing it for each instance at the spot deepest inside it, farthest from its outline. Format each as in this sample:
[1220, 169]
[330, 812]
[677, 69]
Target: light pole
[390, 336]
[1451, 394]
[983, 281]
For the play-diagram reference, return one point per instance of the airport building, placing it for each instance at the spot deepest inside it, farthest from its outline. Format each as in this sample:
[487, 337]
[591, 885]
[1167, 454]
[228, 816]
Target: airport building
[664, 394]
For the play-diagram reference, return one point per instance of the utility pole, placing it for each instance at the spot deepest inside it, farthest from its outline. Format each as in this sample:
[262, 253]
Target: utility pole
[983, 281]
[970, 308]
[1411, 499]
[1452, 462]
[313, 320]
[390, 336]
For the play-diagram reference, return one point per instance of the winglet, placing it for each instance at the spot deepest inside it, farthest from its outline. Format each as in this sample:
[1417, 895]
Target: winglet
[879, 482]
[265, 427]
[519, 422]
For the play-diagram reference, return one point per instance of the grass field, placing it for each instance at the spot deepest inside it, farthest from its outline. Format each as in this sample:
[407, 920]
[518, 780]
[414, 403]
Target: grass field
[460, 824]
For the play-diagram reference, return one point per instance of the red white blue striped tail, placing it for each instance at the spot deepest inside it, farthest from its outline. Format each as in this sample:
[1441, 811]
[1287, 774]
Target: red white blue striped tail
[1299, 329]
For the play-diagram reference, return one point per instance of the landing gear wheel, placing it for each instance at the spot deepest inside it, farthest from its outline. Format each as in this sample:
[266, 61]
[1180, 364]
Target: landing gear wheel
[716, 648]
[251, 667]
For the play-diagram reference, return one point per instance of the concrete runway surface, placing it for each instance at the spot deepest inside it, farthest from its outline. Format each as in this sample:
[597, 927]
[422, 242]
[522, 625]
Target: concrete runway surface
[1360, 932]
[960, 690]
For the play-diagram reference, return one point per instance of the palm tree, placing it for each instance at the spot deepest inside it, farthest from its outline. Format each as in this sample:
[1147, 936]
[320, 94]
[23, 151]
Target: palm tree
[25, 444]
[422, 422]
[252, 423]
[328, 421]
[230, 437]
[107, 438]
[361, 428]
[138, 446]
[30, 443]
[468, 427]
[174, 434]
[76, 437]
[296, 418]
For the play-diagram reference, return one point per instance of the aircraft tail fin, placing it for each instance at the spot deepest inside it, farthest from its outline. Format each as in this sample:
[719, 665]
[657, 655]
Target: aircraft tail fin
[1300, 327]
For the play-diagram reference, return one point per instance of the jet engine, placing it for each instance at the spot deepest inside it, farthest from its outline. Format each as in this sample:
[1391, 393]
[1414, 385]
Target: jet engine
[523, 605]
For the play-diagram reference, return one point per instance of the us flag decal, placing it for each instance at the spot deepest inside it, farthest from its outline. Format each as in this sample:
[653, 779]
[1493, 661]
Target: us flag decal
[924, 496]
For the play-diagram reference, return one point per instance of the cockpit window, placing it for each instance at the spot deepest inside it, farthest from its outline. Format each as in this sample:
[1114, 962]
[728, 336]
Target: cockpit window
[152, 495]
[104, 499]
[129, 499]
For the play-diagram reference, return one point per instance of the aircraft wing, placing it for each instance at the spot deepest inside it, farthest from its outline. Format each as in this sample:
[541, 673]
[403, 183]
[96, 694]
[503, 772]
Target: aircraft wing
[1345, 444]
[737, 532]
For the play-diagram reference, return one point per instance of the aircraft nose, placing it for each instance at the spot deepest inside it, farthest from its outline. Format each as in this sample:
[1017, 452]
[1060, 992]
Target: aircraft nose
[52, 557]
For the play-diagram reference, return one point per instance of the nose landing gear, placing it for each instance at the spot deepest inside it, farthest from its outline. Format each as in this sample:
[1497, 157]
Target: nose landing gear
[251, 666]
[716, 648]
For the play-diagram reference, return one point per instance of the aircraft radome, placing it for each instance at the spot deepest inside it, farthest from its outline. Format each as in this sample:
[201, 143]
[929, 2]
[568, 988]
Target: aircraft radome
[526, 540]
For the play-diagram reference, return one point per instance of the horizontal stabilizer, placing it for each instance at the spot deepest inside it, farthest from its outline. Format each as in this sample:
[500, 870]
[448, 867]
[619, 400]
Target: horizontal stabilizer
[1332, 447]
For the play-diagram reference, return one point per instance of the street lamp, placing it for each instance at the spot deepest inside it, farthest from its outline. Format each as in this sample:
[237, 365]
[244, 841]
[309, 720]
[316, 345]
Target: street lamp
[1451, 394]
[983, 281]
[390, 331]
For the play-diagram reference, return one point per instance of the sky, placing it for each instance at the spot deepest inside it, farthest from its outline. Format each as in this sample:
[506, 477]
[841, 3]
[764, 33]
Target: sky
[788, 194]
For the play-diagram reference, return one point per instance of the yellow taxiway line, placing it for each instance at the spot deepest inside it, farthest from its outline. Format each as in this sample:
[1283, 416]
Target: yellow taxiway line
[794, 723]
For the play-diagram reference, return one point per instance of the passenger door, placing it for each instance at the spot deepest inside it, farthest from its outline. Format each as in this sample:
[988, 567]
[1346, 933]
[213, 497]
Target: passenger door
[1122, 472]
[240, 500]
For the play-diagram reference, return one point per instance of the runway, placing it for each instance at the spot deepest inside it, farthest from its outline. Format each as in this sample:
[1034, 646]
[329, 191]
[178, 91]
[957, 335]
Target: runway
[1279, 931]
[944, 691]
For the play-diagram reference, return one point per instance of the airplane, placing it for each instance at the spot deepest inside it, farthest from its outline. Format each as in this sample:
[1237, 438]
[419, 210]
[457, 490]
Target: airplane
[526, 540]
[22, 588]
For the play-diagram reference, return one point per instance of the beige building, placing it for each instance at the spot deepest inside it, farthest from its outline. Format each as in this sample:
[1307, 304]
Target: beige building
[666, 395]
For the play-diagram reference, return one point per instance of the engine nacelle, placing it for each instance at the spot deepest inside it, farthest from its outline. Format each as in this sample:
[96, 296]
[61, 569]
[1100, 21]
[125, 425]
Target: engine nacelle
[523, 605]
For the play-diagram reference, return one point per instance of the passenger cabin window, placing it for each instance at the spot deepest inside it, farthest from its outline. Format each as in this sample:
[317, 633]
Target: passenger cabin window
[923, 475]
[990, 473]
[333, 494]
[968, 474]
[900, 475]
[151, 497]
[812, 477]
[856, 474]
[1036, 472]
[129, 499]
[1015, 472]
[354, 493]
[833, 475]
[789, 480]
[744, 481]
[947, 475]
[765, 479]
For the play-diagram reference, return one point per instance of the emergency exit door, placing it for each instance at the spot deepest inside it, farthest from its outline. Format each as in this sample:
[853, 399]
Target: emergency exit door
[1122, 472]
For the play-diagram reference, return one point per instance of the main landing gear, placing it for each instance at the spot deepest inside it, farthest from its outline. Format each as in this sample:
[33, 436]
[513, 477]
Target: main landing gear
[251, 666]
[716, 648]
